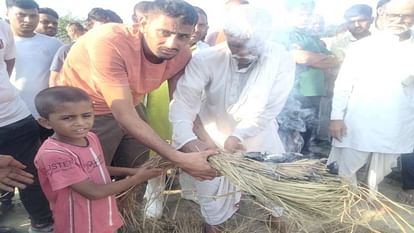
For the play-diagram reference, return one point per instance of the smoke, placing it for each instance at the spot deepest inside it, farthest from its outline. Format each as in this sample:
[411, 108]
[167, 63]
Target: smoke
[246, 22]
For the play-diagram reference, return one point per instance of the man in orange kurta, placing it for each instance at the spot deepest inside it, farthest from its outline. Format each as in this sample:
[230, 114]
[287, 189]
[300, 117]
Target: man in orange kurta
[117, 64]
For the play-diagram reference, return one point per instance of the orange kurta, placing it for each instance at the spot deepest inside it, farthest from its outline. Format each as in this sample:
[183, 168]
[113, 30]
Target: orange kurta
[112, 55]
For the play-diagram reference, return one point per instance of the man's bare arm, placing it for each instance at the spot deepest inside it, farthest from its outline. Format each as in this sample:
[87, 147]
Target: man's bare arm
[202, 133]
[317, 60]
[120, 101]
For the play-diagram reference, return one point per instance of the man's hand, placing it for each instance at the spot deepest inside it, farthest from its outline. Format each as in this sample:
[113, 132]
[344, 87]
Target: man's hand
[337, 129]
[233, 144]
[195, 145]
[12, 174]
[196, 164]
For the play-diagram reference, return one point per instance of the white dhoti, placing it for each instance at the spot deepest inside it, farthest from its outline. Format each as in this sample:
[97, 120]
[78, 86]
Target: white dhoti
[350, 161]
[188, 189]
[218, 198]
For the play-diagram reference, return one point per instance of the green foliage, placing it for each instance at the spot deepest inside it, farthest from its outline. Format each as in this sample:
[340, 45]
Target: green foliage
[63, 22]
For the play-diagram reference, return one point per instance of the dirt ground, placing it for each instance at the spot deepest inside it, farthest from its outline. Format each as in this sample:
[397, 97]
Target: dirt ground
[183, 216]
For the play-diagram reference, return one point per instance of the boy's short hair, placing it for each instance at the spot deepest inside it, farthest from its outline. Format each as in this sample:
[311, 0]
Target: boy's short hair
[23, 4]
[48, 99]
[175, 9]
[48, 11]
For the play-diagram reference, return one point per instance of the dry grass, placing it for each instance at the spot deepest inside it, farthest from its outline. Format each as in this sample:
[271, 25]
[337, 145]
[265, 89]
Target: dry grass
[309, 194]
[313, 201]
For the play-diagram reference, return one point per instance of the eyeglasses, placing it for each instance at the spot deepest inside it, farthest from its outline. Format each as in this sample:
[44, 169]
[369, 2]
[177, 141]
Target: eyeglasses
[403, 17]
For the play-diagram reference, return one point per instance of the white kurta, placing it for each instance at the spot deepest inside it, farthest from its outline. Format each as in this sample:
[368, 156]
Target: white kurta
[374, 95]
[231, 102]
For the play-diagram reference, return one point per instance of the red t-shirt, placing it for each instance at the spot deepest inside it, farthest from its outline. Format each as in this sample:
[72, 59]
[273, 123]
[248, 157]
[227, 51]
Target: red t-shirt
[60, 165]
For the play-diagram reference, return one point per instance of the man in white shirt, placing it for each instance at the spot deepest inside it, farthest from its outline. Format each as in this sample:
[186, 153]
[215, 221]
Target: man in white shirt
[358, 22]
[34, 53]
[200, 31]
[233, 92]
[372, 118]
[19, 138]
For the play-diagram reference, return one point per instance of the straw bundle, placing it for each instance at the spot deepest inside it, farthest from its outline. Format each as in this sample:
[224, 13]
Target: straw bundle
[310, 196]
[308, 193]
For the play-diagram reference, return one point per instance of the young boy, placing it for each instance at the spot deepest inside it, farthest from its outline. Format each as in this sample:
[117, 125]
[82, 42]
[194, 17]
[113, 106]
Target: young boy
[71, 165]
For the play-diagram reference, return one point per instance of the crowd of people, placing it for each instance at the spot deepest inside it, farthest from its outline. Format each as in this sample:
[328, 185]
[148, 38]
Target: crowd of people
[79, 121]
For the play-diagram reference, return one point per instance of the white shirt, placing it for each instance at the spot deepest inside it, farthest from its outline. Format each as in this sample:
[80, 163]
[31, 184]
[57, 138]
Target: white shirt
[370, 95]
[341, 44]
[200, 45]
[31, 72]
[12, 108]
[242, 103]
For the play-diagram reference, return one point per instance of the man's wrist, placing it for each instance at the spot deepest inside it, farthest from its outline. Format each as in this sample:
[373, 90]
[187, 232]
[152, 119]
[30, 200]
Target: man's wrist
[177, 158]
[131, 171]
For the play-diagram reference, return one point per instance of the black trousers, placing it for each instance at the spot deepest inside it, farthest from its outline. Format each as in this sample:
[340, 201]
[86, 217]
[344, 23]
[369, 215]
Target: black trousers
[313, 103]
[407, 171]
[21, 140]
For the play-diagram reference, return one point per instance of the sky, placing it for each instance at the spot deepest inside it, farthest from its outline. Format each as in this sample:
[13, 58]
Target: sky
[332, 10]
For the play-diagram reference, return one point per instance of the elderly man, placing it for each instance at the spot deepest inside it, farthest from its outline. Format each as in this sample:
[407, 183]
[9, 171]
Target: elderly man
[233, 92]
[372, 118]
[217, 37]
